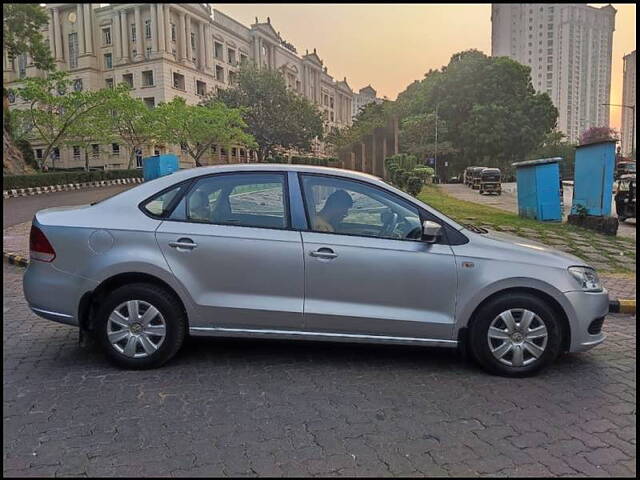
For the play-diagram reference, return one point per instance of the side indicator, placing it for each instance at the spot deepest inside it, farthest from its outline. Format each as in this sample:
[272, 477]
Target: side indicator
[468, 264]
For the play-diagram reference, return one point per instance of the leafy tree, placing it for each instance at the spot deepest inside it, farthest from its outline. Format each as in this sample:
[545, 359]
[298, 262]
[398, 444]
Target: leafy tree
[54, 110]
[21, 24]
[278, 118]
[198, 127]
[555, 144]
[130, 120]
[417, 136]
[95, 128]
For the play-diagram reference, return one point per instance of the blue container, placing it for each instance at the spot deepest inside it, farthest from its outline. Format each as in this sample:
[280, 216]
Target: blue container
[539, 189]
[593, 178]
[159, 165]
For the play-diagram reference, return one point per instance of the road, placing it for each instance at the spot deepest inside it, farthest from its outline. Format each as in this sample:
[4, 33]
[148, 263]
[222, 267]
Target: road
[21, 209]
[269, 408]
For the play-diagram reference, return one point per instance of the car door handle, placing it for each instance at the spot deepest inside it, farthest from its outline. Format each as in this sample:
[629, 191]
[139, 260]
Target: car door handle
[184, 243]
[323, 253]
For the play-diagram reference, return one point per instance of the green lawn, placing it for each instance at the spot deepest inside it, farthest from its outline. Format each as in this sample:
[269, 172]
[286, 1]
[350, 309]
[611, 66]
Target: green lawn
[608, 254]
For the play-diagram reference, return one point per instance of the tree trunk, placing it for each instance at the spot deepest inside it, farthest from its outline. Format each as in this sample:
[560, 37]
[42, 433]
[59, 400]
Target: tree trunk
[132, 156]
[86, 159]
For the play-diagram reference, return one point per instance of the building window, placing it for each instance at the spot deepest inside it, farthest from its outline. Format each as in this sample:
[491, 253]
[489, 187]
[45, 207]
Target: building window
[22, 65]
[193, 40]
[108, 61]
[128, 79]
[231, 55]
[147, 78]
[147, 28]
[234, 152]
[219, 73]
[150, 102]
[76, 152]
[331, 102]
[173, 32]
[39, 153]
[178, 81]
[243, 58]
[232, 77]
[106, 36]
[73, 50]
[133, 32]
[217, 50]
[115, 149]
[147, 52]
[184, 148]
[108, 82]
[95, 150]
[201, 88]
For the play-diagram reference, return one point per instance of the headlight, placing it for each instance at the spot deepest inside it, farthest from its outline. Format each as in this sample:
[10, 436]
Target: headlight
[587, 278]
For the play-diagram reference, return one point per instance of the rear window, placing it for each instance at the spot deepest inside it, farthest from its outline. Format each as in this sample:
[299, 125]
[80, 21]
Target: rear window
[159, 206]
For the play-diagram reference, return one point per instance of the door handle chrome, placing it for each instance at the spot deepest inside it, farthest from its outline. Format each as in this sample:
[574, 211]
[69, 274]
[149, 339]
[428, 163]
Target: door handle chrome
[179, 244]
[323, 253]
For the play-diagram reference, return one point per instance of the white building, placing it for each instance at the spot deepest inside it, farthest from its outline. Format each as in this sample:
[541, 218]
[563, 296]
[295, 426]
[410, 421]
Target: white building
[628, 98]
[568, 47]
[168, 50]
[365, 96]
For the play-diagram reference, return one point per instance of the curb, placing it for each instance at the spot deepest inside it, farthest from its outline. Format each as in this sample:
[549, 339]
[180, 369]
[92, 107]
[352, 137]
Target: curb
[622, 305]
[616, 305]
[25, 192]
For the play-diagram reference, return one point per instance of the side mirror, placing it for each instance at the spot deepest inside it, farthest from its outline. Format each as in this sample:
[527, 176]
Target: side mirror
[431, 231]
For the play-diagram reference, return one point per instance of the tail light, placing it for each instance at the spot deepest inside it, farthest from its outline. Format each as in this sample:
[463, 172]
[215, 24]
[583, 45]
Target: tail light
[39, 246]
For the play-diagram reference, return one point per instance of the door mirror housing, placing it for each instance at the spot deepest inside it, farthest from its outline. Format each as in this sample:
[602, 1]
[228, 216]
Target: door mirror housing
[431, 231]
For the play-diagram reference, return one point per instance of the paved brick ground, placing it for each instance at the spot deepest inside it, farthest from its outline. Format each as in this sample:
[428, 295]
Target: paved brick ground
[249, 408]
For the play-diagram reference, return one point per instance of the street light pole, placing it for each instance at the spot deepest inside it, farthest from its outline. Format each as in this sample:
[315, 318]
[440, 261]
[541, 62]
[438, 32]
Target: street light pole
[435, 156]
[633, 121]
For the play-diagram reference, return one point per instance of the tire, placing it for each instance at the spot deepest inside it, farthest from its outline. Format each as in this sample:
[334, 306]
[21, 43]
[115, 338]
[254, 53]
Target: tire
[492, 313]
[141, 352]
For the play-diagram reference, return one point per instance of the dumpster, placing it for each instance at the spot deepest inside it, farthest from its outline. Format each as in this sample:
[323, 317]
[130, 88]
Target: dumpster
[538, 192]
[593, 178]
[159, 165]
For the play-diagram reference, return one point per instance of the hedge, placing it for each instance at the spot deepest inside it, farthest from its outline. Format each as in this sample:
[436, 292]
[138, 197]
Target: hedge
[63, 178]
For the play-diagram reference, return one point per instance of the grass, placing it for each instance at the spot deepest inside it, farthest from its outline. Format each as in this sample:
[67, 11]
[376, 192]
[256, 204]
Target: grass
[606, 253]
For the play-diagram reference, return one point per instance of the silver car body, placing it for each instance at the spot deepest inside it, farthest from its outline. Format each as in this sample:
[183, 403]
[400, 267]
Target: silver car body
[263, 282]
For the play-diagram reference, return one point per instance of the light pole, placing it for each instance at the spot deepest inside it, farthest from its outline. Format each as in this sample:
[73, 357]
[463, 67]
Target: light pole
[435, 155]
[633, 121]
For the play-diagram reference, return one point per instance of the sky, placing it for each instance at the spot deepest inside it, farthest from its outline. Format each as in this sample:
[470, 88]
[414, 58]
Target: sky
[391, 45]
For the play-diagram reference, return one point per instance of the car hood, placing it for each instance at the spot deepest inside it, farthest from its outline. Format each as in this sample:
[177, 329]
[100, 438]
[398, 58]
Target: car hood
[507, 247]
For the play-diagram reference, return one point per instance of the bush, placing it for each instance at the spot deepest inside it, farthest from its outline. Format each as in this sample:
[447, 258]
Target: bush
[62, 178]
[424, 173]
[414, 185]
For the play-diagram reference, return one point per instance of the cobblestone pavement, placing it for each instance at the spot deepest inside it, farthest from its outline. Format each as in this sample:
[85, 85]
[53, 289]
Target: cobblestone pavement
[509, 201]
[250, 408]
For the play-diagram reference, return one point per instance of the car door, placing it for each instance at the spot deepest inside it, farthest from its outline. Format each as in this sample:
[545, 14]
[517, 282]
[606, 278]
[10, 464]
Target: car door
[230, 243]
[365, 277]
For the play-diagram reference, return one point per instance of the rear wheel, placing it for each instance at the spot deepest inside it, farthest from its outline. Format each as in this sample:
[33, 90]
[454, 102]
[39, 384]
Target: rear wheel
[515, 335]
[140, 326]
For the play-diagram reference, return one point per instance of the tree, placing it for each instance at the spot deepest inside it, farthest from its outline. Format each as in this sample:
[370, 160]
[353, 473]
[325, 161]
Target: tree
[53, 110]
[94, 128]
[21, 24]
[132, 122]
[555, 144]
[197, 127]
[277, 117]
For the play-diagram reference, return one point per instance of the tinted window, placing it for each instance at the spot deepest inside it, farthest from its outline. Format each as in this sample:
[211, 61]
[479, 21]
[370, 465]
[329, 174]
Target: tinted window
[247, 199]
[158, 205]
[348, 207]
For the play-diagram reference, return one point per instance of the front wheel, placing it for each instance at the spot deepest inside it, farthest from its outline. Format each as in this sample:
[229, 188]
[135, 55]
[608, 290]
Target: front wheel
[515, 335]
[140, 326]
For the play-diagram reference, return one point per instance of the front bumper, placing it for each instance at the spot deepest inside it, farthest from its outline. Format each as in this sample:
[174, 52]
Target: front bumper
[585, 308]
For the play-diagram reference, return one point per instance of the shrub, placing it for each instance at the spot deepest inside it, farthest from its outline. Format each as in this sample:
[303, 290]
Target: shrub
[414, 185]
[424, 173]
[62, 178]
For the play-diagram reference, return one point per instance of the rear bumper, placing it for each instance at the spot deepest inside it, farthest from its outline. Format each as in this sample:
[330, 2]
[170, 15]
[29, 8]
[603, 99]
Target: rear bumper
[585, 308]
[54, 294]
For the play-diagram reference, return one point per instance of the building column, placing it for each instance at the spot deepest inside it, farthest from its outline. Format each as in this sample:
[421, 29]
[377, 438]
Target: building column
[154, 29]
[182, 51]
[88, 31]
[208, 52]
[58, 35]
[116, 40]
[52, 38]
[160, 27]
[201, 53]
[256, 50]
[125, 35]
[187, 23]
[139, 35]
[80, 28]
[167, 28]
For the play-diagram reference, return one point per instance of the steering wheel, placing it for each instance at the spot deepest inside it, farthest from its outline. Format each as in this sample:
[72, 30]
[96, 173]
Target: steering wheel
[389, 226]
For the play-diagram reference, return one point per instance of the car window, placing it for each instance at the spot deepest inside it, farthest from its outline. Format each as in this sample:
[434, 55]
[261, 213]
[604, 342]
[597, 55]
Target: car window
[348, 207]
[246, 199]
[158, 205]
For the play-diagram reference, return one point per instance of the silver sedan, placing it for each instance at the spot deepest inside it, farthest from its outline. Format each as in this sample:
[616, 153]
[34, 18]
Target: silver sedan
[308, 253]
